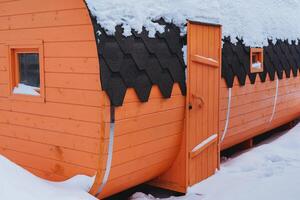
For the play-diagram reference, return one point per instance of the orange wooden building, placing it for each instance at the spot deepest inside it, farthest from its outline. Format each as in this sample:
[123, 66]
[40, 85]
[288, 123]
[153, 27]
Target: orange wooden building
[73, 101]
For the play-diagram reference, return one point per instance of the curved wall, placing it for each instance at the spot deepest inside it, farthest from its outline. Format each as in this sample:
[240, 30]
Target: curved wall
[60, 137]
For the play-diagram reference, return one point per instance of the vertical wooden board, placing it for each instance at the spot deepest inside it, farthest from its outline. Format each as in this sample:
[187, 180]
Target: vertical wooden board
[203, 120]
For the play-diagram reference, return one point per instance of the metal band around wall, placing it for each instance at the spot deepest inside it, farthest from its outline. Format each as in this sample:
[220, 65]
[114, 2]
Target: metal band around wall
[110, 151]
[275, 100]
[227, 114]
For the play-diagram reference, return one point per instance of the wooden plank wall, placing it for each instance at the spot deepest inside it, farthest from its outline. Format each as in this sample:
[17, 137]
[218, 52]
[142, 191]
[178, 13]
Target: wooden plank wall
[147, 138]
[61, 137]
[252, 107]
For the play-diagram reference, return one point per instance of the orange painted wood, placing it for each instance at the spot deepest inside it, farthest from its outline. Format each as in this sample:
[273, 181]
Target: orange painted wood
[59, 110]
[130, 180]
[51, 166]
[70, 80]
[258, 52]
[205, 60]
[41, 173]
[4, 77]
[3, 64]
[148, 160]
[46, 19]
[73, 142]
[247, 122]
[4, 91]
[72, 65]
[75, 49]
[175, 178]
[60, 137]
[68, 126]
[74, 96]
[143, 131]
[194, 154]
[71, 128]
[148, 121]
[51, 151]
[146, 135]
[203, 95]
[3, 50]
[258, 129]
[50, 34]
[34, 6]
[28, 46]
[137, 152]
[129, 110]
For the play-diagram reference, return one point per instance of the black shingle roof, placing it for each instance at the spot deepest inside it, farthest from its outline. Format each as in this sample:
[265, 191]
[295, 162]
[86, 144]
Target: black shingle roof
[278, 58]
[140, 62]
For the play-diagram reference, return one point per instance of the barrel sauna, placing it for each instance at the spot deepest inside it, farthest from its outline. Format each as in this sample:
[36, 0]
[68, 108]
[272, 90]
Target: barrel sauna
[66, 129]
[246, 102]
[75, 100]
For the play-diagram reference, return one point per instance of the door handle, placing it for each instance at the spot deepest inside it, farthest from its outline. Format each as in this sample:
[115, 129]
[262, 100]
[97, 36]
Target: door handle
[199, 99]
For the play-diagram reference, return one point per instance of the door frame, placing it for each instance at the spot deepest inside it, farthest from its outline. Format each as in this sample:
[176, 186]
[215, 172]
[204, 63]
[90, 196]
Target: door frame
[188, 99]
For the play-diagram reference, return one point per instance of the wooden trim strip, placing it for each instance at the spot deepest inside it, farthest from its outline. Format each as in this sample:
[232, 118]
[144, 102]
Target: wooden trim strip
[205, 60]
[275, 100]
[205, 23]
[227, 115]
[203, 145]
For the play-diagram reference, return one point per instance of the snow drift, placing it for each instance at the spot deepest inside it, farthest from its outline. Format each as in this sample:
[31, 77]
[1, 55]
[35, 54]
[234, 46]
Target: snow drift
[269, 171]
[17, 183]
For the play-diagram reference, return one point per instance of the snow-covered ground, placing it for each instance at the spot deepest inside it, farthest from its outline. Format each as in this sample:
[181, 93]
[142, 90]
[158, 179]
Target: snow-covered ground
[269, 171]
[16, 184]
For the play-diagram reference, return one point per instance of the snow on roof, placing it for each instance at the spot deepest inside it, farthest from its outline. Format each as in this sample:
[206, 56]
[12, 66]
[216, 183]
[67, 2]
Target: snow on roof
[255, 21]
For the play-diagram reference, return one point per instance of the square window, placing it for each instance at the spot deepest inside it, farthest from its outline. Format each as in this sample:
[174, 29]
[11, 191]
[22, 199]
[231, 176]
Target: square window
[26, 72]
[29, 67]
[256, 60]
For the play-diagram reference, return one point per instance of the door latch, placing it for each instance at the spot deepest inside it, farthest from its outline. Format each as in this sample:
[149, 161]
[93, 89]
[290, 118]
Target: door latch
[199, 100]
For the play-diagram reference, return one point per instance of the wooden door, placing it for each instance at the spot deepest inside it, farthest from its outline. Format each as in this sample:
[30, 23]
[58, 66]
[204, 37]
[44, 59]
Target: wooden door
[204, 59]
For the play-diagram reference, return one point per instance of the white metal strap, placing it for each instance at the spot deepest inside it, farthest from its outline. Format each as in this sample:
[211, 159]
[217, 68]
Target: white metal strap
[227, 115]
[110, 155]
[275, 100]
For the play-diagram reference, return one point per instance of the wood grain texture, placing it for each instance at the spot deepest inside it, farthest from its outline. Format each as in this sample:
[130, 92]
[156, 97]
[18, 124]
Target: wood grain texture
[68, 134]
[252, 108]
[58, 138]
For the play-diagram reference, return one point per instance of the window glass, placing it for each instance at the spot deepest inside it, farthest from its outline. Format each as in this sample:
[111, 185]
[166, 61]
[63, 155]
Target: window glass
[29, 69]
